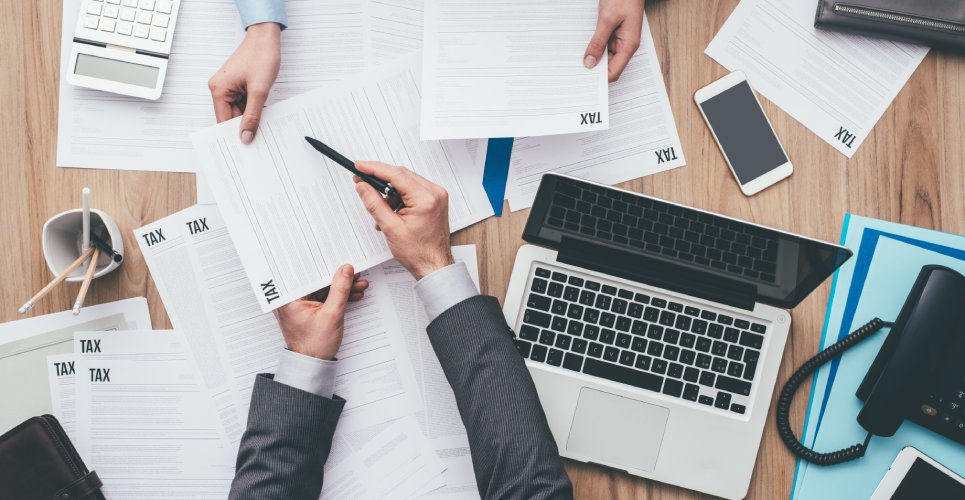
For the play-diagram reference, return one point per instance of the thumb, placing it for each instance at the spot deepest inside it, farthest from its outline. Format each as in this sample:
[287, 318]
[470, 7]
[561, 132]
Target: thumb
[375, 204]
[339, 290]
[597, 47]
[253, 107]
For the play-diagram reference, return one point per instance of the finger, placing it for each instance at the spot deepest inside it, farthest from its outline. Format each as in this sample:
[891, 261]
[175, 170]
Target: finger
[249, 122]
[406, 182]
[376, 205]
[625, 45]
[605, 24]
[222, 108]
[339, 290]
[356, 296]
[360, 286]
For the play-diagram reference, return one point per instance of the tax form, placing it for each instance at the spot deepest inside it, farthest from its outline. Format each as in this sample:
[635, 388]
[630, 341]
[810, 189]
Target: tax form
[510, 69]
[323, 43]
[642, 138]
[203, 285]
[438, 414]
[294, 215]
[143, 419]
[835, 84]
[63, 401]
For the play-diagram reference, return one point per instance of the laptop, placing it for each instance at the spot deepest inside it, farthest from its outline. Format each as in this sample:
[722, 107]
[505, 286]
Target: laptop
[122, 46]
[654, 331]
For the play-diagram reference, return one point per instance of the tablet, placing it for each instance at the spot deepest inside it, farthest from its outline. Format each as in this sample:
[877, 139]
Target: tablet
[914, 475]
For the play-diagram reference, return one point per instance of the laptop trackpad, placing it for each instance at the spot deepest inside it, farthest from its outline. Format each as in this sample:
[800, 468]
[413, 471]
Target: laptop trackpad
[617, 430]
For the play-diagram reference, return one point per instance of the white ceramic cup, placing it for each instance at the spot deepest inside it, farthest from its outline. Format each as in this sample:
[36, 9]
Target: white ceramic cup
[63, 238]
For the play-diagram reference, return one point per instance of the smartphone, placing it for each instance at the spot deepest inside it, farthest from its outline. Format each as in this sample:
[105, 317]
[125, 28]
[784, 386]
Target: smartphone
[914, 475]
[743, 133]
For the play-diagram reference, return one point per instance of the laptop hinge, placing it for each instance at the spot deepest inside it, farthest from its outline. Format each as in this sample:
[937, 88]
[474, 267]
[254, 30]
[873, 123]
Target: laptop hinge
[655, 272]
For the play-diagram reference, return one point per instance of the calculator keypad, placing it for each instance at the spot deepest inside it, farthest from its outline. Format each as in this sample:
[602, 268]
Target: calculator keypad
[142, 19]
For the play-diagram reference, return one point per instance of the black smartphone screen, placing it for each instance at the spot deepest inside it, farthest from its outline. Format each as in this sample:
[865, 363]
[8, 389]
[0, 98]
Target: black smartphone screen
[925, 481]
[742, 130]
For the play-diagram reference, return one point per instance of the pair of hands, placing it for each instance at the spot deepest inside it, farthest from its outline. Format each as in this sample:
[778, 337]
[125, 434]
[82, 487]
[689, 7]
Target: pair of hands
[418, 236]
[241, 86]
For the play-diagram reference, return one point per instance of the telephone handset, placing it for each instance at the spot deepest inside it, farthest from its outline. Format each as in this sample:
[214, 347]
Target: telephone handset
[918, 374]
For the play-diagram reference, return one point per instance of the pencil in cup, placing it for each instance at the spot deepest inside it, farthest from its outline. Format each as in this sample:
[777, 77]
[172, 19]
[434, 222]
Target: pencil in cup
[54, 282]
[82, 294]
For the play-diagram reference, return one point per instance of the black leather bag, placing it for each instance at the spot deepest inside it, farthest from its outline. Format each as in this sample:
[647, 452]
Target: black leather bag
[936, 23]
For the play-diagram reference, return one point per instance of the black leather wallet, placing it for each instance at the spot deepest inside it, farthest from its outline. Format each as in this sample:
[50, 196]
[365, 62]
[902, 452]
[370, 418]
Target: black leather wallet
[38, 462]
[936, 23]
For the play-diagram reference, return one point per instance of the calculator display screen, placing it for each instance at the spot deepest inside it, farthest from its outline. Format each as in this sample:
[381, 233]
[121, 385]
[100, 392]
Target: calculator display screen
[118, 71]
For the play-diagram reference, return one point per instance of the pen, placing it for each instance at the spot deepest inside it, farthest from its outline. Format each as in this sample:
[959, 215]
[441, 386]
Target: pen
[107, 249]
[85, 219]
[381, 186]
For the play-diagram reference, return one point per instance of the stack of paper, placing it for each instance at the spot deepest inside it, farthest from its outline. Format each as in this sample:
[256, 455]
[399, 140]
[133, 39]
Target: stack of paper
[874, 283]
[393, 385]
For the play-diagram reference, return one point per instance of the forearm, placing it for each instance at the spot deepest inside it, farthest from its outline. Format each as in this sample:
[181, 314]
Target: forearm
[514, 454]
[286, 443]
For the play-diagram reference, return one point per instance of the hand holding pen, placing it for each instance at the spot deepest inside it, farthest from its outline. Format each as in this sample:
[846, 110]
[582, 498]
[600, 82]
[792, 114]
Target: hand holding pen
[384, 188]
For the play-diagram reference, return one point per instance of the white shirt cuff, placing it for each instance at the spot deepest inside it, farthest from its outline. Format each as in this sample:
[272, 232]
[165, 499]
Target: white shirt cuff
[309, 374]
[445, 288]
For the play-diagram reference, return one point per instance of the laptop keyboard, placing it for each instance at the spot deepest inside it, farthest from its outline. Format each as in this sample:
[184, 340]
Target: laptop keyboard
[643, 223]
[585, 324]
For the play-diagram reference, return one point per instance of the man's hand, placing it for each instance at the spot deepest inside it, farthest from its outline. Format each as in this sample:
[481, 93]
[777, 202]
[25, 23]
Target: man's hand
[618, 29]
[243, 83]
[418, 234]
[313, 325]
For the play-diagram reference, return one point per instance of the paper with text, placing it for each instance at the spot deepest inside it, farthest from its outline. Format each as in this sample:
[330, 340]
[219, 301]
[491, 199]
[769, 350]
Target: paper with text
[505, 69]
[838, 85]
[63, 401]
[438, 414]
[293, 214]
[642, 138]
[145, 422]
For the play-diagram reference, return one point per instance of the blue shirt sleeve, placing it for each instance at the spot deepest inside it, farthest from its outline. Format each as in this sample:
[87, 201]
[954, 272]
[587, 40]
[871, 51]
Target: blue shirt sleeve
[262, 11]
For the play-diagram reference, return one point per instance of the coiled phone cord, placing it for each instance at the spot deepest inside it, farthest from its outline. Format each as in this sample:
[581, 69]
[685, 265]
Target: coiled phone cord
[783, 412]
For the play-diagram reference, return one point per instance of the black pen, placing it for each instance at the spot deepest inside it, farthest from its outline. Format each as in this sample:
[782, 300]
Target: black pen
[106, 248]
[381, 186]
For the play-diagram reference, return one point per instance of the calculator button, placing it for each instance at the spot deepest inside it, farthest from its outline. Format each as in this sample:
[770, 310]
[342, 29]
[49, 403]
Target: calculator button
[91, 22]
[161, 21]
[124, 28]
[114, 2]
[129, 3]
[108, 25]
[141, 31]
[110, 11]
[147, 4]
[128, 14]
[158, 35]
[144, 17]
[94, 8]
[164, 7]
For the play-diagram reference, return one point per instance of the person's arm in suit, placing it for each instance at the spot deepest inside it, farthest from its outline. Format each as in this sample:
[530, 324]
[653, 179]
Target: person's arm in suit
[293, 414]
[513, 451]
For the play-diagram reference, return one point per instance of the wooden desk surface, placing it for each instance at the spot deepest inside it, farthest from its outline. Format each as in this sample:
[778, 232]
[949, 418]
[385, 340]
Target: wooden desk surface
[910, 170]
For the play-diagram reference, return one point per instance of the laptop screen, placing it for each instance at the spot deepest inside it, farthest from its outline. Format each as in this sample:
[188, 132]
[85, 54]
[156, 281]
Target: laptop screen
[783, 267]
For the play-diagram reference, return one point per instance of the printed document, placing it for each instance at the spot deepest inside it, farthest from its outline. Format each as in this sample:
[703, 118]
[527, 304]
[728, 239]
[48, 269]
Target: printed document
[510, 69]
[60, 373]
[835, 84]
[146, 425]
[323, 43]
[438, 414]
[642, 138]
[25, 345]
[294, 215]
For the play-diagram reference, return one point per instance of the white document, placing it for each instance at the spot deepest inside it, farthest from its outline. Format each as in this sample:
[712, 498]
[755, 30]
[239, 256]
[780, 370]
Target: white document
[438, 414]
[25, 345]
[393, 29]
[60, 373]
[506, 69]
[835, 84]
[642, 138]
[147, 426]
[323, 43]
[293, 214]
[205, 289]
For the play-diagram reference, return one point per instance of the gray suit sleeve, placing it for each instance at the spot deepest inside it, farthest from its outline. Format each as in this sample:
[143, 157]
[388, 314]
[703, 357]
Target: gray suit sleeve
[287, 441]
[513, 452]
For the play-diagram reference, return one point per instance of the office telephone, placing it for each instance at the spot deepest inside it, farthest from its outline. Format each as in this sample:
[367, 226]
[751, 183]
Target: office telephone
[918, 374]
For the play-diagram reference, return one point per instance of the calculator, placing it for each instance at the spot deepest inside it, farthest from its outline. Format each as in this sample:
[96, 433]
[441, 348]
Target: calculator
[122, 46]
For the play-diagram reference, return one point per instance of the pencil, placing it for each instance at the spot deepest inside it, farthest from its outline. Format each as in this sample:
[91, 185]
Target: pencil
[86, 284]
[61, 277]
